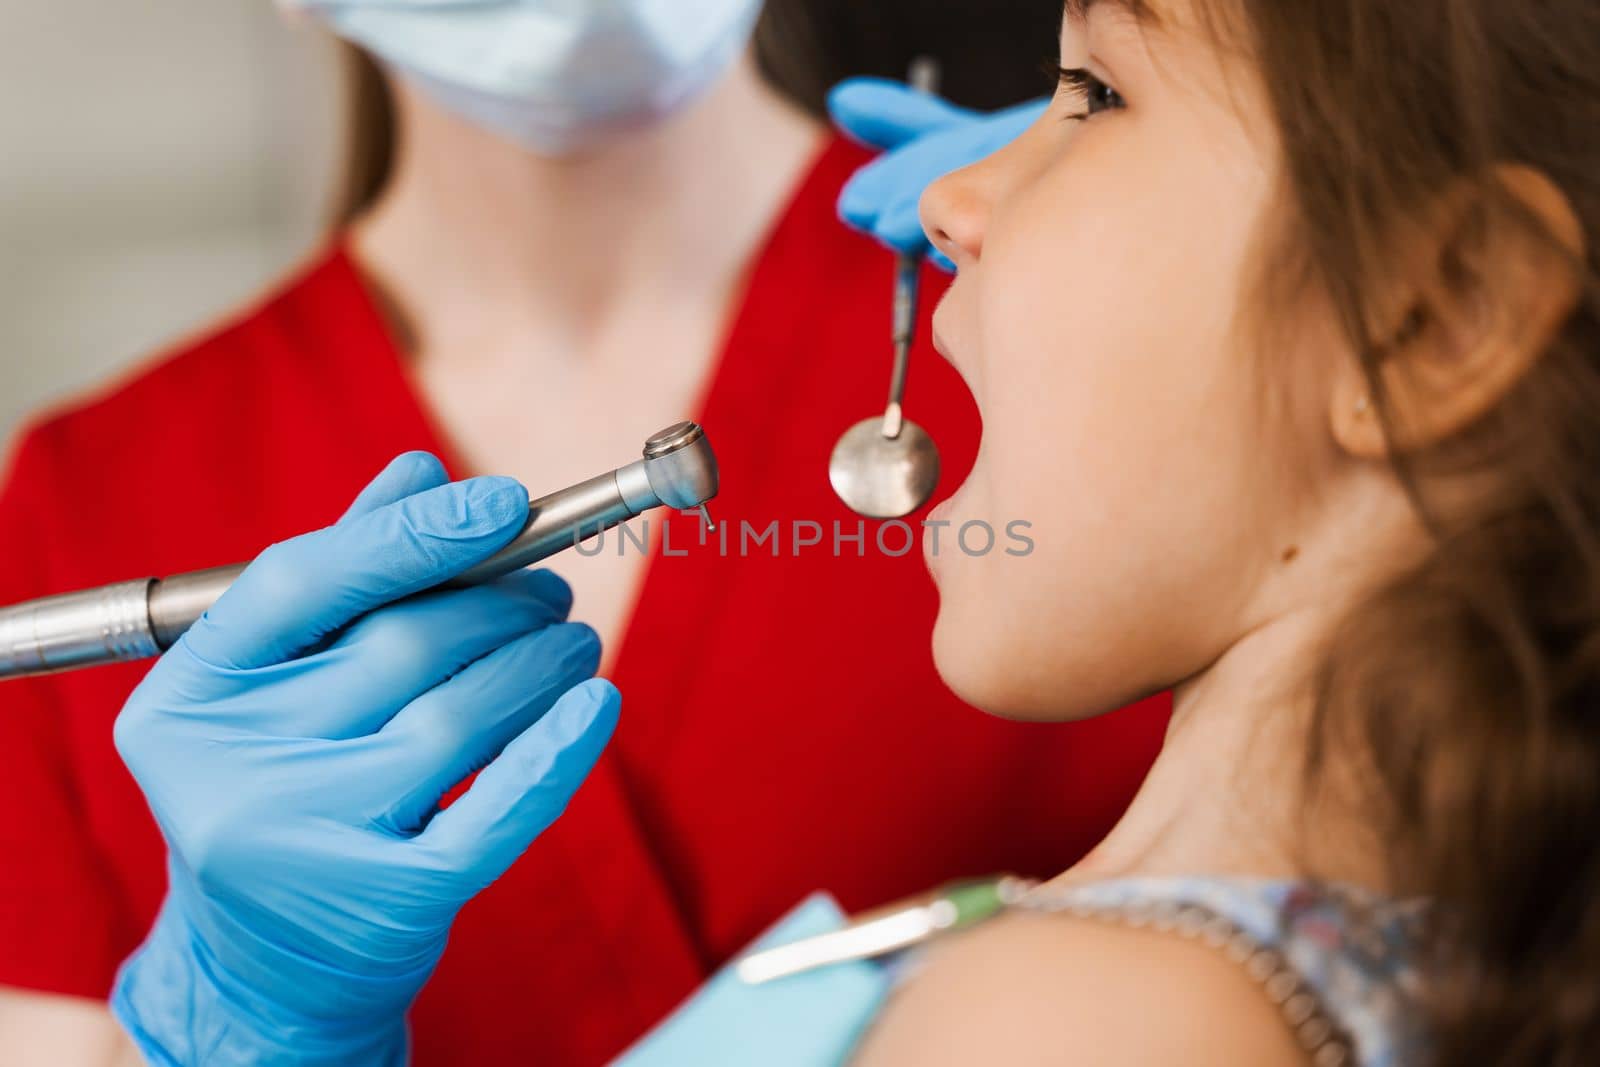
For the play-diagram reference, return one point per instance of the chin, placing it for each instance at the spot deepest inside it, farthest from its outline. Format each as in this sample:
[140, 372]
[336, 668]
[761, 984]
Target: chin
[976, 667]
[996, 670]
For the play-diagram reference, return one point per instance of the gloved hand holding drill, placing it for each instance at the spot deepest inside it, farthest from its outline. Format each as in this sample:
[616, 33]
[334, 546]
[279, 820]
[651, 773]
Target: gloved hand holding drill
[295, 745]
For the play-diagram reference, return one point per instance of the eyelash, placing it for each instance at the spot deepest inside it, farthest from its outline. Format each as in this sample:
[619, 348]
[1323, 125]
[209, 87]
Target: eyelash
[1098, 96]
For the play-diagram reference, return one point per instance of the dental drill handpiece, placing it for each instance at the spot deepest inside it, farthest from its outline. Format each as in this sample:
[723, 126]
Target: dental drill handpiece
[143, 618]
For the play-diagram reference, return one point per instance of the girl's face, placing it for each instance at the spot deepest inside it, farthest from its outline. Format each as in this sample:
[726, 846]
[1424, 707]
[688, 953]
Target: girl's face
[1098, 318]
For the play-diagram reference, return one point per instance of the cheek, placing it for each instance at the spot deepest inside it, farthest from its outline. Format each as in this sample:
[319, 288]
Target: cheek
[1119, 421]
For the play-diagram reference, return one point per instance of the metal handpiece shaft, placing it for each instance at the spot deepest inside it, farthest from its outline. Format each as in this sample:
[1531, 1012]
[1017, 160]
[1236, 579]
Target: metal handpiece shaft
[562, 520]
[143, 618]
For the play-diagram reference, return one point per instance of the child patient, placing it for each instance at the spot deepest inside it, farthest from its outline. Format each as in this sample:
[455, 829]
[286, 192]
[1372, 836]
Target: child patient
[1283, 323]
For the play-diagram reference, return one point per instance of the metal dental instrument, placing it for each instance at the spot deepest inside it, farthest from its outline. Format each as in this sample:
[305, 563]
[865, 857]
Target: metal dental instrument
[898, 927]
[886, 468]
[138, 619]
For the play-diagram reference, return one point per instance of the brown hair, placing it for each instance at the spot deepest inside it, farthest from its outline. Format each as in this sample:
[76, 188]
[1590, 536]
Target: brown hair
[990, 53]
[1471, 686]
[369, 137]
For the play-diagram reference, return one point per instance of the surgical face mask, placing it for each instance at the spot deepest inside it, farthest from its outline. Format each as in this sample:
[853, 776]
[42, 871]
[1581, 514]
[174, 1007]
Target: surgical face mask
[556, 76]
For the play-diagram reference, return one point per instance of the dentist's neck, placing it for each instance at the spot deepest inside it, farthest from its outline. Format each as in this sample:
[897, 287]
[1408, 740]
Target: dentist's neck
[472, 225]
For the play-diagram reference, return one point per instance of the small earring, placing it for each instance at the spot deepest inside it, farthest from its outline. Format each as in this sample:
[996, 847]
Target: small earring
[1363, 405]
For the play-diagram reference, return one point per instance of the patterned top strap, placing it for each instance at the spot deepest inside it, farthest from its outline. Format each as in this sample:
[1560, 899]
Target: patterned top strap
[1340, 962]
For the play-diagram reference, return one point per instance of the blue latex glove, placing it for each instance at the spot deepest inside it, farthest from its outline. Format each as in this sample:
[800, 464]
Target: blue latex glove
[923, 138]
[806, 1020]
[294, 747]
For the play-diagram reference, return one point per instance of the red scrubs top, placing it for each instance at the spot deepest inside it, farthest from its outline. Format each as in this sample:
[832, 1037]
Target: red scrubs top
[783, 729]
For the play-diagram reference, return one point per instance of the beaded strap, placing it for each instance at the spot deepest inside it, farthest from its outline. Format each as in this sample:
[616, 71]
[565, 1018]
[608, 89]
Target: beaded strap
[1321, 1038]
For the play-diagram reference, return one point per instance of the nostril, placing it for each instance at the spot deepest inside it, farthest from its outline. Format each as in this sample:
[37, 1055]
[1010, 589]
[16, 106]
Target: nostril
[954, 212]
[945, 248]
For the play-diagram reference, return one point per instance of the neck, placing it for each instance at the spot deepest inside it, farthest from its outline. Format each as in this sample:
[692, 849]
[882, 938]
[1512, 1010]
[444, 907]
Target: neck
[1229, 795]
[474, 234]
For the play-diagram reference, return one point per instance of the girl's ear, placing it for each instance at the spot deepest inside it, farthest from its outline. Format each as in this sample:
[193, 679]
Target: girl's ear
[1488, 287]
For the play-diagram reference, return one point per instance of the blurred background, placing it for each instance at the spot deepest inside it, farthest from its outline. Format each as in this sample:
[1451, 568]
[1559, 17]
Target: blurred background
[160, 163]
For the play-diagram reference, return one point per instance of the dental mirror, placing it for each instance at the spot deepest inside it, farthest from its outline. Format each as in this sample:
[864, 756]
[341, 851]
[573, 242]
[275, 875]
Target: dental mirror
[887, 467]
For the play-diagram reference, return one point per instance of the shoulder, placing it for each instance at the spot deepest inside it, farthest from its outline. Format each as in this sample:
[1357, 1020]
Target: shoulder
[203, 380]
[1048, 989]
[209, 447]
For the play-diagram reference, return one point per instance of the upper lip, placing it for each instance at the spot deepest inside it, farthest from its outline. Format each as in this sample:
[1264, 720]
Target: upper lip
[942, 346]
[939, 344]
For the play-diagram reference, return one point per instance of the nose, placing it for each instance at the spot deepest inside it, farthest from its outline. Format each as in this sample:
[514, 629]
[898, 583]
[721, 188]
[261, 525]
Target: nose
[955, 213]
[957, 209]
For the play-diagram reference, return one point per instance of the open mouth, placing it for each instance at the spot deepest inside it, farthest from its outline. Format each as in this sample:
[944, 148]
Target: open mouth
[946, 349]
[942, 336]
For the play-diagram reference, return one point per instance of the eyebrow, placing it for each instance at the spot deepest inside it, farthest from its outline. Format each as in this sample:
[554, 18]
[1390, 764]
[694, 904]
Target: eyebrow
[1142, 10]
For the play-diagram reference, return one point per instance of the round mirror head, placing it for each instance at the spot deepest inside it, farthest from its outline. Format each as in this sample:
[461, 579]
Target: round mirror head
[882, 477]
